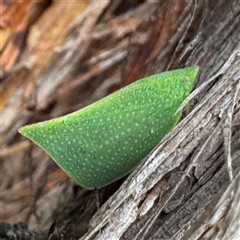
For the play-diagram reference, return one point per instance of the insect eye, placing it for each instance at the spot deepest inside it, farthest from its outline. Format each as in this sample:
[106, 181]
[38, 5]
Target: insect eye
[185, 80]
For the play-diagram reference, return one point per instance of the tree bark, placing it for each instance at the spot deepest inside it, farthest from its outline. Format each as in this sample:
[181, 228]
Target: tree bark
[188, 186]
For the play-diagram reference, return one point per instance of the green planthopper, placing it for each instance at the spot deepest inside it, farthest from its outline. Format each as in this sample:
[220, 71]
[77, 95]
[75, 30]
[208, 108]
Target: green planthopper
[106, 140]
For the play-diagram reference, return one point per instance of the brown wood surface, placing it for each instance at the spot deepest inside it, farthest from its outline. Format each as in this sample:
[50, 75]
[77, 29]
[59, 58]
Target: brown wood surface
[59, 56]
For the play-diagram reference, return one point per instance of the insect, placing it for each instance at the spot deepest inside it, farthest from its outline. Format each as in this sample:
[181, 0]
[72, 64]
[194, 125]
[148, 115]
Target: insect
[106, 140]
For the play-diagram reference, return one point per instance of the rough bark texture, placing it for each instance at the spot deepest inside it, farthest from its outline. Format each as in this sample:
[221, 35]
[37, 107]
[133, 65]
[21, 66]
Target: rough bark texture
[76, 53]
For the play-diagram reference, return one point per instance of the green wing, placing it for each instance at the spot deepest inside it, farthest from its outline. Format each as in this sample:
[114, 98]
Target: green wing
[106, 140]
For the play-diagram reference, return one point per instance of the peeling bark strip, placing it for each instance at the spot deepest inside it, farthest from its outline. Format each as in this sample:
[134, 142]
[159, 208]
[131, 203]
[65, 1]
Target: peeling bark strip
[194, 149]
